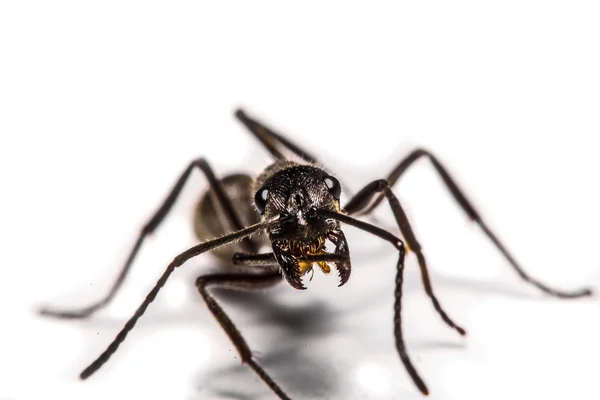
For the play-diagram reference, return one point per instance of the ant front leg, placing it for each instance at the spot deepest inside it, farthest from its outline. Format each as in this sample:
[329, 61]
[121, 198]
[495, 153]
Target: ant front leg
[399, 245]
[294, 268]
[177, 262]
[363, 204]
[240, 281]
[363, 198]
[150, 227]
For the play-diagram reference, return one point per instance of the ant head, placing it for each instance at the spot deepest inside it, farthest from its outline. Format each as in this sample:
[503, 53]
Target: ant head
[296, 193]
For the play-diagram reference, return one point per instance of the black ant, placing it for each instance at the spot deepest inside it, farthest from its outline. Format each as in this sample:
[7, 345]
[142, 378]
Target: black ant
[293, 208]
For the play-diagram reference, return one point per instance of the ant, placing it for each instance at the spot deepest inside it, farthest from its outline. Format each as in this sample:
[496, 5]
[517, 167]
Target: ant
[294, 209]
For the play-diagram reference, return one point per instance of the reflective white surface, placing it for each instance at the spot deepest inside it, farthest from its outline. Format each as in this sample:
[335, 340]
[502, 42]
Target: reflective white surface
[103, 106]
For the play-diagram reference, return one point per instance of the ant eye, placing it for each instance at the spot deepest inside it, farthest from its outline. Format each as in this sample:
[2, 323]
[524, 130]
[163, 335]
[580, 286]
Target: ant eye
[333, 185]
[260, 199]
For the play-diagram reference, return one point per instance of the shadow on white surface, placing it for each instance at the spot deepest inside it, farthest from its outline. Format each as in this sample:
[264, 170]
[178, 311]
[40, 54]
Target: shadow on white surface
[324, 342]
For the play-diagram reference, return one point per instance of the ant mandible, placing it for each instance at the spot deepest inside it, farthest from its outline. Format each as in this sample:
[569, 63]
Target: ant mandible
[293, 208]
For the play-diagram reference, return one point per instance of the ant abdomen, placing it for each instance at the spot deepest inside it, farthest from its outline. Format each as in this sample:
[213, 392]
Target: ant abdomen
[210, 220]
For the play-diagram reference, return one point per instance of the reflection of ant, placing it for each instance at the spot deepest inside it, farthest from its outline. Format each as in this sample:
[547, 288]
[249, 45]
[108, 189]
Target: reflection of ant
[298, 213]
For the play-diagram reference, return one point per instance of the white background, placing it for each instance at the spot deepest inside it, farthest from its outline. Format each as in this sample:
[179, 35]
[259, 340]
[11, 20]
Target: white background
[103, 105]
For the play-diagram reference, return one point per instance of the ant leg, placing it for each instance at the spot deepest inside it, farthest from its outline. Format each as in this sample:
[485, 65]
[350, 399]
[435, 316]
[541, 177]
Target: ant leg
[240, 281]
[399, 245]
[255, 260]
[294, 268]
[269, 260]
[150, 227]
[177, 262]
[360, 206]
[272, 140]
[364, 197]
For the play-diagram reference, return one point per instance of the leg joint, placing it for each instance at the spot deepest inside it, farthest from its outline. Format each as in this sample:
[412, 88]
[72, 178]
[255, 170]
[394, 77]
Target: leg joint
[200, 163]
[201, 282]
[382, 184]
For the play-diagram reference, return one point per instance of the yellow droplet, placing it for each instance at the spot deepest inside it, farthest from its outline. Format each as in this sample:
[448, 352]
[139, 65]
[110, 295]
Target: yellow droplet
[305, 266]
[324, 267]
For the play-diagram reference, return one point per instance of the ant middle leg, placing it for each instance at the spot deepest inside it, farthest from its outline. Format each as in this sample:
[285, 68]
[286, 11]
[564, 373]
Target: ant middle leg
[229, 212]
[364, 204]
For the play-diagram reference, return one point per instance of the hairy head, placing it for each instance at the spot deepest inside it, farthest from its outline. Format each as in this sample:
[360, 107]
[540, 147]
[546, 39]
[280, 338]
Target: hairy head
[294, 193]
